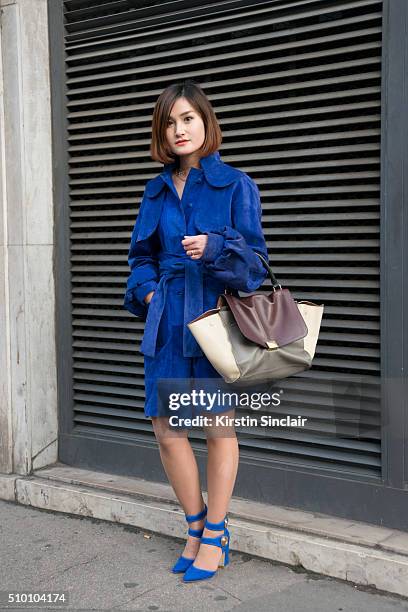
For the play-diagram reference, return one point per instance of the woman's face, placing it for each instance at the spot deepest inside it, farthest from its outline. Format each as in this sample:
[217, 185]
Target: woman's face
[184, 124]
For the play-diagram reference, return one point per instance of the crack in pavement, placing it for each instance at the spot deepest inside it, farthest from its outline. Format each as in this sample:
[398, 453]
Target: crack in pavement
[140, 594]
[70, 567]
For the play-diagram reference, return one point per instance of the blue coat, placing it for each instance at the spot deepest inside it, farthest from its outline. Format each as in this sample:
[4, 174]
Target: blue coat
[218, 200]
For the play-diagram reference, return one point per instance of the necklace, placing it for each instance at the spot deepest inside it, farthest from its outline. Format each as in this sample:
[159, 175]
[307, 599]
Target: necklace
[180, 174]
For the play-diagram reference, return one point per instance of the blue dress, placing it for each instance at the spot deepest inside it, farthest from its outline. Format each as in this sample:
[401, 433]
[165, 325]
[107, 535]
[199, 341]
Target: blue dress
[222, 202]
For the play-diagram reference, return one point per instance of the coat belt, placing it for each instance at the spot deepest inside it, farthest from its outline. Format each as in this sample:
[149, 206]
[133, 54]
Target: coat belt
[172, 266]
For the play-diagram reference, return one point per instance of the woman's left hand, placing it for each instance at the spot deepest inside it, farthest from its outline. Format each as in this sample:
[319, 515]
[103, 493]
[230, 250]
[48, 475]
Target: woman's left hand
[195, 245]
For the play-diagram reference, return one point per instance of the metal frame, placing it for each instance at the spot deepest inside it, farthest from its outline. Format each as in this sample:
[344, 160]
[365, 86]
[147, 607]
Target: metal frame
[61, 218]
[394, 227]
[380, 501]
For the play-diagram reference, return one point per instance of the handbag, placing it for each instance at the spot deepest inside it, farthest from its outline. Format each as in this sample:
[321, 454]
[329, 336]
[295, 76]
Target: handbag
[259, 338]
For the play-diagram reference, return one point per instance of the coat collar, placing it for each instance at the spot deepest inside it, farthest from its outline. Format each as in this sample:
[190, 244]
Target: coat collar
[216, 173]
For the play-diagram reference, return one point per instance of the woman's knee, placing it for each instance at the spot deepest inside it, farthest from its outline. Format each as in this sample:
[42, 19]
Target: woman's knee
[220, 429]
[167, 438]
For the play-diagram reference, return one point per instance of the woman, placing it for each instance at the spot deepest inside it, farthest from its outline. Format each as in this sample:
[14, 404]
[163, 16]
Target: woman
[196, 234]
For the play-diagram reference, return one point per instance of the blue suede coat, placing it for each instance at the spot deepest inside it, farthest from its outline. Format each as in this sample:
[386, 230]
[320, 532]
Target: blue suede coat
[218, 200]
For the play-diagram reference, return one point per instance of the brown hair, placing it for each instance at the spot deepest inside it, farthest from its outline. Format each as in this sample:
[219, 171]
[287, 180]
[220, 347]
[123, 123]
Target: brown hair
[159, 149]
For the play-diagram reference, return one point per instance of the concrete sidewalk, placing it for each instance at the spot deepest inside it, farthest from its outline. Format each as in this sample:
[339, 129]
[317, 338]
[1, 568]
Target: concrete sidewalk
[108, 566]
[362, 554]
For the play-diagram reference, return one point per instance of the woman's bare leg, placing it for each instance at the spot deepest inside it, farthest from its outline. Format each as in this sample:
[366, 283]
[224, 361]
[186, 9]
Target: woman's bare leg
[222, 467]
[181, 469]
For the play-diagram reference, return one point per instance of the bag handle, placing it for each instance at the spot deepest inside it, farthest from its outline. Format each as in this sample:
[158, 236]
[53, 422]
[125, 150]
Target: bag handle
[273, 278]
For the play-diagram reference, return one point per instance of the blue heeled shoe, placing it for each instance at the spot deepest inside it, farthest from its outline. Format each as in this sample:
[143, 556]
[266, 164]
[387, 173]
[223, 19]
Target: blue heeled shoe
[183, 563]
[222, 541]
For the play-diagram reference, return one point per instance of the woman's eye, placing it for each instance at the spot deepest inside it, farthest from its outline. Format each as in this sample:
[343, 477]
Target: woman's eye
[170, 121]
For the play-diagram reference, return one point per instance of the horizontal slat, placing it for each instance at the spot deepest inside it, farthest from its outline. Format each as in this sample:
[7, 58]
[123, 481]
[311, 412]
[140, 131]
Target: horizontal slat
[273, 246]
[347, 205]
[298, 269]
[340, 176]
[320, 408]
[297, 258]
[163, 23]
[201, 55]
[253, 131]
[116, 357]
[333, 110]
[278, 434]
[345, 311]
[83, 61]
[269, 445]
[323, 352]
[302, 451]
[287, 140]
[270, 90]
[144, 16]
[341, 324]
[371, 148]
[295, 100]
[349, 296]
[112, 325]
[115, 405]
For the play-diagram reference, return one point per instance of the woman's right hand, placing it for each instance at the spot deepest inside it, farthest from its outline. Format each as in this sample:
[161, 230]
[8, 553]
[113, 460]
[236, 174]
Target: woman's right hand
[147, 298]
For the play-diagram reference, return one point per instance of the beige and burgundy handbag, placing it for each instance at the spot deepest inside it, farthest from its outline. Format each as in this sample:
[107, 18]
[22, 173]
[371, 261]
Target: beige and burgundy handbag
[259, 338]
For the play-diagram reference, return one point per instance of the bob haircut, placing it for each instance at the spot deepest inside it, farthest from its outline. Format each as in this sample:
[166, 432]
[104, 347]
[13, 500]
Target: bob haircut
[159, 148]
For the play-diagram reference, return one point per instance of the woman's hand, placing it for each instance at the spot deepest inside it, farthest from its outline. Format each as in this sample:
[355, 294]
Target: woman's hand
[147, 298]
[195, 245]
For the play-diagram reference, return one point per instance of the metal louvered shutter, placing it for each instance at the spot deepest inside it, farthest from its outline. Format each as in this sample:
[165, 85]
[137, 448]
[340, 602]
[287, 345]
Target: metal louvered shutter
[296, 86]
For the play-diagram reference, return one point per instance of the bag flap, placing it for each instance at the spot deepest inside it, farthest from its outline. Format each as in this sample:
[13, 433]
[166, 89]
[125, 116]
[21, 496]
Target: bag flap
[270, 320]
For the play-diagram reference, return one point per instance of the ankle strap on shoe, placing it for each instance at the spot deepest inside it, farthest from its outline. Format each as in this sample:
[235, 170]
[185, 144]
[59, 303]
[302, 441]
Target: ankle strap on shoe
[191, 518]
[221, 541]
[216, 526]
[197, 533]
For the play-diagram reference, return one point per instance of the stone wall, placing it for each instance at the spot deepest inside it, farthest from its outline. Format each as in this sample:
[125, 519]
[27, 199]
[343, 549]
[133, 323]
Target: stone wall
[28, 389]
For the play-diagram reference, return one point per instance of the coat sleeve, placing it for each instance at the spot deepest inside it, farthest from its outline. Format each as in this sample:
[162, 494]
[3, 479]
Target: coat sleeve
[230, 254]
[144, 272]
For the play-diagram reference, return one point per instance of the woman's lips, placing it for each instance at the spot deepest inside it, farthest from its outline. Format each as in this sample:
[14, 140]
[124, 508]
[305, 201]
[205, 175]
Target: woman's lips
[181, 142]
